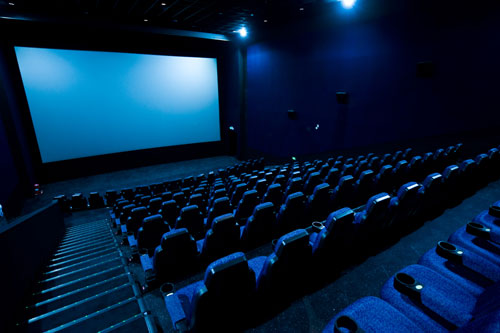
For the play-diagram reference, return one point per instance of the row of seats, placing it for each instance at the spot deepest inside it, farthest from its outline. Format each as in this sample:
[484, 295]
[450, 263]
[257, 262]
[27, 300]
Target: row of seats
[94, 201]
[454, 287]
[233, 283]
[297, 207]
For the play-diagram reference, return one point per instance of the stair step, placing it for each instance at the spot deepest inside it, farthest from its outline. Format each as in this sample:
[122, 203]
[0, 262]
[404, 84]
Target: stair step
[82, 308]
[80, 264]
[133, 324]
[82, 253]
[78, 274]
[83, 247]
[73, 296]
[70, 261]
[84, 240]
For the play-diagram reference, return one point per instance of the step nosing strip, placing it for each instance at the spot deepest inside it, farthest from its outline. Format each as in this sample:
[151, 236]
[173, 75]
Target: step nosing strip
[77, 270]
[122, 323]
[72, 305]
[92, 315]
[109, 246]
[81, 263]
[87, 255]
[62, 285]
[85, 244]
[86, 231]
[66, 252]
[53, 299]
[65, 243]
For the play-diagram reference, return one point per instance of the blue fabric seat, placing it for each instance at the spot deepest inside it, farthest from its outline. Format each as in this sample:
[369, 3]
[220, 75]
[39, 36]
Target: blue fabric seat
[280, 179]
[285, 270]
[238, 193]
[434, 302]
[360, 167]
[220, 207]
[416, 169]
[176, 254]
[374, 163]
[154, 206]
[396, 157]
[478, 239]
[369, 222]
[191, 218]
[371, 314]
[151, 231]
[431, 195]
[383, 181]
[342, 194]
[246, 205]
[180, 198]
[198, 200]
[467, 175]
[363, 188]
[336, 235]
[318, 204]
[274, 194]
[311, 182]
[259, 226]
[332, 177]
[294, 185]
[292, 214]
[490, 218]
[135, 217]
[261, 187]
[347, 170]
[404, 206]
[221, 239]
[400, 173]
[466, 268]
[170, 211]
[219, 302]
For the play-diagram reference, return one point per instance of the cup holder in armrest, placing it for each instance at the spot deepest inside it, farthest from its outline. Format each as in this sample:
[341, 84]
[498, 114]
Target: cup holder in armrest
[478, 230]
[317, 226]
[450, 252]
[167, 289]
[344, 323]
[494, 211]
[407, 285]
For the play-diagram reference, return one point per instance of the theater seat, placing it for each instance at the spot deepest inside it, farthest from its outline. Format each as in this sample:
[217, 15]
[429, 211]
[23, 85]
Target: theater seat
[261, 187]
[433, 302]
[246, 205]
[220, 207]
[176, 254]
[469, 270]
[134, 221]
[221, 239]
[363, 188]
[342, 194]
[370, 221]
[371, 314]
[490, 217]
[191, 218]
[318, 204]
[170, 211]
[111, 197]
[95, 200]
[479, 239]
[151, 231]
[294, 185]
[274, 194]
[220, 302]
[180, 198]
[238, 193]
[400, 173]
[335, 237]
[403, 207]
[332, 177]
[283, 273]
[198, 200]
[292, 214]
[154, 206]
[451, 182]
[383, 181]
[259, 226]
[313, 180]
[431, 195]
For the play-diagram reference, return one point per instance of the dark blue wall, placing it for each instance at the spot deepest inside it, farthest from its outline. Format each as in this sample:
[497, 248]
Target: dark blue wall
[373, 59]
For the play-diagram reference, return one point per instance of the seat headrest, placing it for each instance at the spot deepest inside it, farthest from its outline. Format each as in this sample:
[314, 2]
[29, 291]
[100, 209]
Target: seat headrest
[263, 208]
[366, 175]
[296, 241]
[341, 216]
[272, 187]
[385, 169]
[172, 239]
[168, 203]
[321, 188]
[346, 181]
[294, 197]
[433, 178]
[227, 273]
[408, 188]
[249, 194]
[377, 202]
[136, 212]
[190, 210]
[223, 222]
[152, 220]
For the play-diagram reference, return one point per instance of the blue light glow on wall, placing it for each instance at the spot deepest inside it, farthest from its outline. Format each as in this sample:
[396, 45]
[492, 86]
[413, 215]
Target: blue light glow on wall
[87, 103]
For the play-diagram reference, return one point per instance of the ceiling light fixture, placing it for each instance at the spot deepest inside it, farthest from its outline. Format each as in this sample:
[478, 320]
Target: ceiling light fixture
[347, 4]
[243, 32]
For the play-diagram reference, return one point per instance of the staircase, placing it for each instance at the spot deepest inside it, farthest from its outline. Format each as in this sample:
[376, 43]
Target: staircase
[87, 287]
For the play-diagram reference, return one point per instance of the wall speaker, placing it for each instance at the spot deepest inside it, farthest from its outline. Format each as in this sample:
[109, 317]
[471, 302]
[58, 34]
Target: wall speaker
[425, 69]
[342, 97]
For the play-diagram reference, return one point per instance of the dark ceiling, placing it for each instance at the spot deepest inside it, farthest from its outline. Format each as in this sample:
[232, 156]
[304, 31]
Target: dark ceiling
[221, 17]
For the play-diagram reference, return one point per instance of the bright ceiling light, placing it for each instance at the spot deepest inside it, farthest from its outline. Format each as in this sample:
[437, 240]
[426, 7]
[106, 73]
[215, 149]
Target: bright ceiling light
[348, 4]
[243, 32]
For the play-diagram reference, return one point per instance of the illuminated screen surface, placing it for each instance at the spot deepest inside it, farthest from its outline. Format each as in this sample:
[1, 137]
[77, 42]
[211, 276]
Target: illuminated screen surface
[87, 103]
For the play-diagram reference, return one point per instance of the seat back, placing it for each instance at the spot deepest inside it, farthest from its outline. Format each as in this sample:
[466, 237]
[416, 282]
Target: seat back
[319, 202]
[177, 252]
[246, 205]
[220, 207]
[170, 211]
[222, 239]
[134, 221]
[150, 233]
[191, 219]
[154, 205]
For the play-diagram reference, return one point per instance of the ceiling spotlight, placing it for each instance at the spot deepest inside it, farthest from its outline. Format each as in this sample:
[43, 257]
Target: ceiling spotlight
[265, 21]
[146, 20]
[243, 32]
[301, 9]
[11, 4]
[163, 4]
[348, 4]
